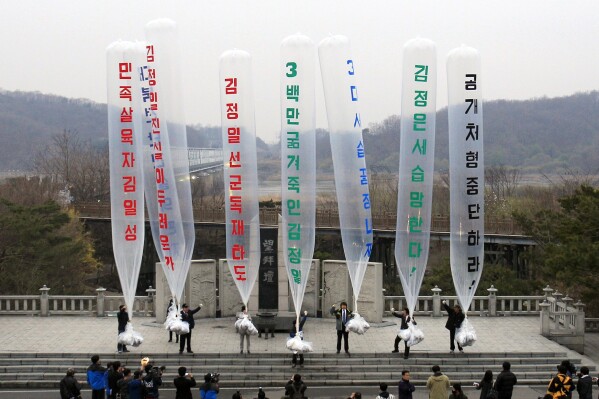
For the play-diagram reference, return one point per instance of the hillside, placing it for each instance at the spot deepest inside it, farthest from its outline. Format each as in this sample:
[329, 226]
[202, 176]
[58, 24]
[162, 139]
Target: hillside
[538, 135]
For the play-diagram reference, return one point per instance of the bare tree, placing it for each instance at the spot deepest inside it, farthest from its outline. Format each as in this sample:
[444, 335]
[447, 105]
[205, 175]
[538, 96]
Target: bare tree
[76, 166]
[383, 192]
[502, 181]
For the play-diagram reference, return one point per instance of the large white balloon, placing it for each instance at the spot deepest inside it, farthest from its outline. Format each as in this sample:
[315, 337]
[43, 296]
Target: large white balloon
[341, 93]
[126, 162]
[165, 124]
[467, 176]
[240, 169]
[416, 164]
[298, 161]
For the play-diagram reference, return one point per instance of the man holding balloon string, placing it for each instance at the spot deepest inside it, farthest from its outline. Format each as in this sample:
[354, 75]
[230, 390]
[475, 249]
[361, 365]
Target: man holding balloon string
[455, 317]
[343, 315]
[187, 316]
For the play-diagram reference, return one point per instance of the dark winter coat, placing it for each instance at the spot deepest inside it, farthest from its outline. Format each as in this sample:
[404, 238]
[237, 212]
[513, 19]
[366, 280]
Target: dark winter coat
[69, 387]
[404, 320]
[188, 317]
[184, 385]
[485, 387]
[405, 389]
[454, 319]
[123, 318]
[301, 326]
[113, 379]
[95, 377]
[292, 387]
[122, 387]
[152, 382]
[584, 386]
[504, 384]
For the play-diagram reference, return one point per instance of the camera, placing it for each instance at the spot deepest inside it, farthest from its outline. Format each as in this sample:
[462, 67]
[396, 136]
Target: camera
[158, 370]
[214, 377]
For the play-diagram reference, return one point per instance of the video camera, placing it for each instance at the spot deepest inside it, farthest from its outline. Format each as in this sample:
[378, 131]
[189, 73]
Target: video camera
[214, 377]
[157, 371]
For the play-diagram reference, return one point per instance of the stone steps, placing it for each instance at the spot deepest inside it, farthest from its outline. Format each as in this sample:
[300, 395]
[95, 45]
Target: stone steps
[44, 370]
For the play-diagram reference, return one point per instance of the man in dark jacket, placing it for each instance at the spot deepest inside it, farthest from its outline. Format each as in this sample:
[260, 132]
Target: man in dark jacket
[122, 385]
[405, 386]
[584, 386]
[184, 383]
[115, 373]
[69, 386]
[343, 315]
[95, 378]
[123, 319]
[455, 317]
[295, 387]
[504, 384]
[405, 319]
[152, 381]
[187, 315]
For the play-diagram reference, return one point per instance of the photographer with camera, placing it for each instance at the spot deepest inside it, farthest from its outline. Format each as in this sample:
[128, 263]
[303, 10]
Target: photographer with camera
[209, 389]
[295, 387]
[153, 380]
[69, 386]
[184, 382]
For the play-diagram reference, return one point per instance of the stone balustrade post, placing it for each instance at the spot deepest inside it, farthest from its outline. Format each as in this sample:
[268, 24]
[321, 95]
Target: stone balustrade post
[492, 301]
[558, 296]
[547, 292]
[101, 292]
[150, 309]
[545, 320]
[44, 301]
[580, 316]
[567, 301]
[437, 301]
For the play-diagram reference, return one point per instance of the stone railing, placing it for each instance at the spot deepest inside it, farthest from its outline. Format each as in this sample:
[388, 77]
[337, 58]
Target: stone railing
[99, 305]
[562, 320]
[591, 324]
[490, 305]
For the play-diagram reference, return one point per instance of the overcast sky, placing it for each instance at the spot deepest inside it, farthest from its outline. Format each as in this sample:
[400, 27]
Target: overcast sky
[529, 48]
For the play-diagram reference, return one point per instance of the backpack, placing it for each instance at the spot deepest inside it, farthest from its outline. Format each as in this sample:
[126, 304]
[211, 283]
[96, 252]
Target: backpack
[297, 392]
[492, 394]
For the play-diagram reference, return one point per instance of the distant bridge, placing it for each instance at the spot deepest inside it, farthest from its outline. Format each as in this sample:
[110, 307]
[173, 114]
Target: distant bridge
[204, 159]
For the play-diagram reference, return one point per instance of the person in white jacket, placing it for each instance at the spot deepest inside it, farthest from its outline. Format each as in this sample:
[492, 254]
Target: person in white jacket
[384, 394]
[244, 334]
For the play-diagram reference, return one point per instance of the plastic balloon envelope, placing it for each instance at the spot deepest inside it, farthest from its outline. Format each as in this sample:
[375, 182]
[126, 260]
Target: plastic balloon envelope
[130, 337]
[244, 326]
[240, 170]
[467, 174]
[176, 232]
[416, 165]
[341, 92]
[357, 324]
[298, 161]
[465, 335]
[296, 344]
[126, 166]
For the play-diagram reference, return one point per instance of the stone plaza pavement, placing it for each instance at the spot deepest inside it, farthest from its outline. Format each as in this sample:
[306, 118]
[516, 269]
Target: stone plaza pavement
[77, 334]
